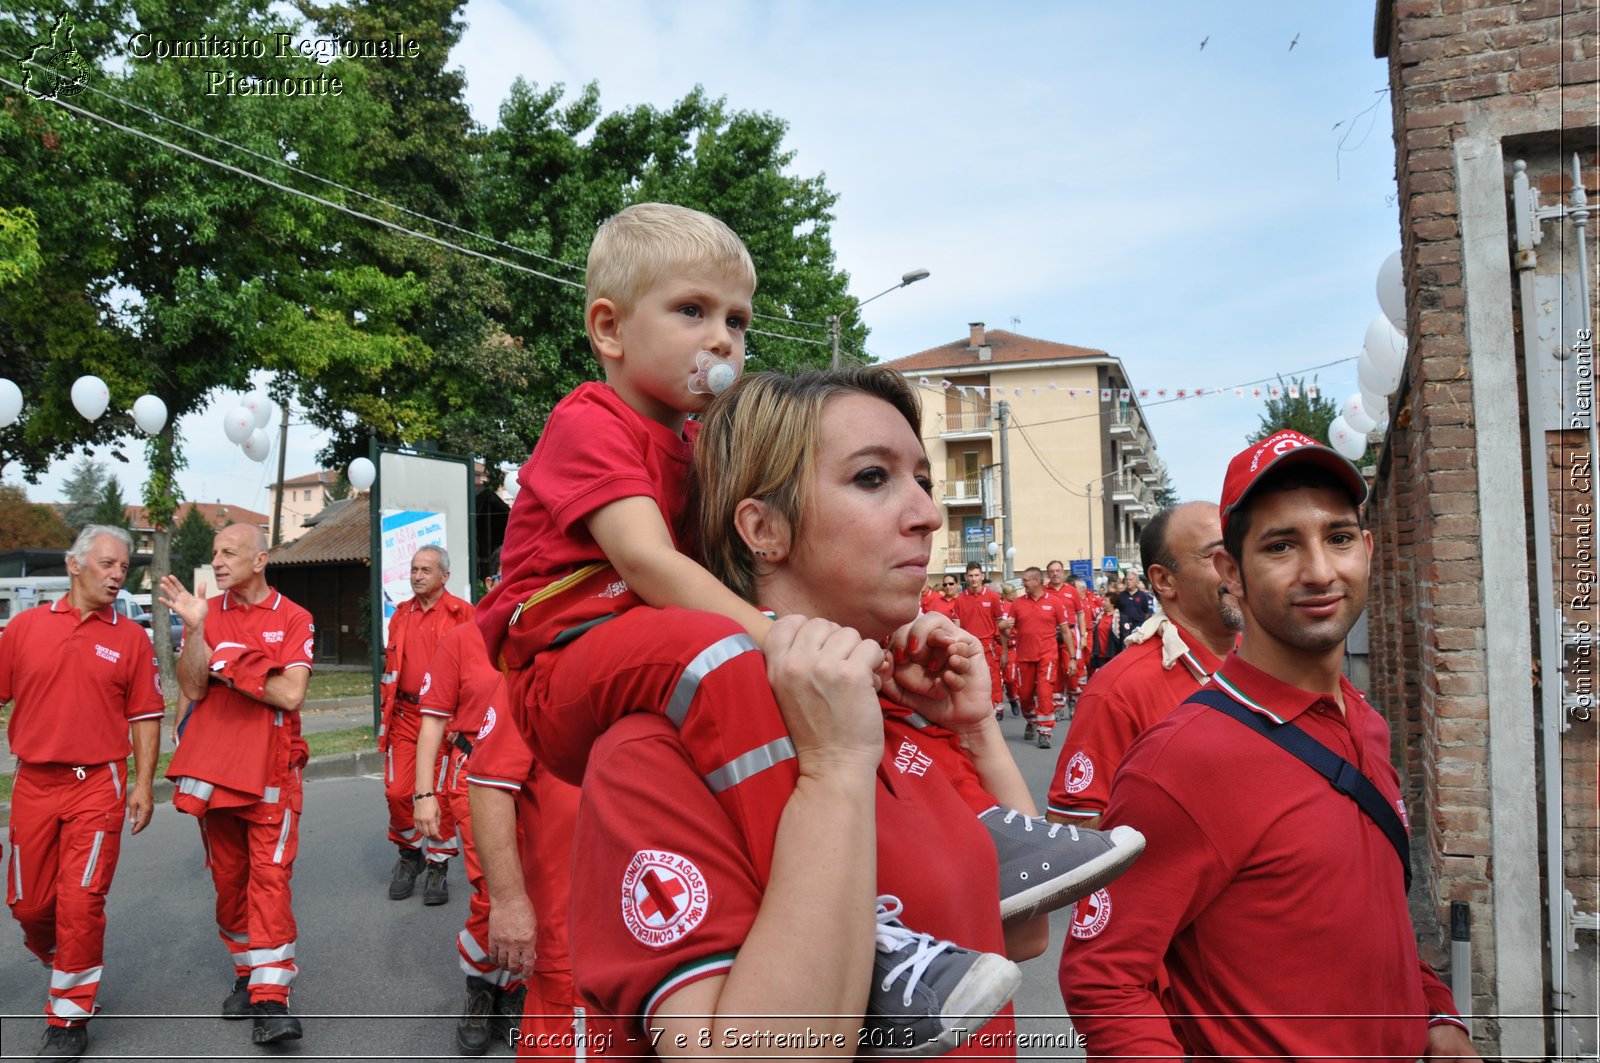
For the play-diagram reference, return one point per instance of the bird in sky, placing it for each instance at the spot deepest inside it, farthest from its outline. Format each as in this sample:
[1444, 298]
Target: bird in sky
[1294, 42]
[1203, 43]
[1337, 124]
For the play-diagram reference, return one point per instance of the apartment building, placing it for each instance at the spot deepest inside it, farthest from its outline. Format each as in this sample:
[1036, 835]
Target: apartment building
[1083, 463]
[303, 497]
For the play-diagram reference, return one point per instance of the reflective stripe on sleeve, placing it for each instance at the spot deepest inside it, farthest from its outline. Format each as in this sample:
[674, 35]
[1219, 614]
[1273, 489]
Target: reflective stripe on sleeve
[744, 766]
[709, 660]
[61, 980]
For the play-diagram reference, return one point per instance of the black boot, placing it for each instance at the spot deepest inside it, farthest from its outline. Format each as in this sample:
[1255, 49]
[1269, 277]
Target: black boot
[237, 1004]
[273, 1023]
[473, 1032]
[435, 890]
[404, 877]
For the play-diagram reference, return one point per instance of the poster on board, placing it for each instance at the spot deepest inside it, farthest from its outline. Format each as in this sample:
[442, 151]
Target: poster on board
[404, 532]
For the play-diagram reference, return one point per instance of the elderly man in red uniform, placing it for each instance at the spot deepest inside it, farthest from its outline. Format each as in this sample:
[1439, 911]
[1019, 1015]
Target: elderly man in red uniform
[1039, 618]
[1166, 660]
[415, 630]
[244, 670]
[978, 611]
[1071, 639]
[82, 678]
[1259, 857]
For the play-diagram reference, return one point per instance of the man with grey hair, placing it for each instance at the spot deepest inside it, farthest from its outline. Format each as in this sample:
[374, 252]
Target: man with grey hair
[244, 670]
[82, 678]
[415, 630]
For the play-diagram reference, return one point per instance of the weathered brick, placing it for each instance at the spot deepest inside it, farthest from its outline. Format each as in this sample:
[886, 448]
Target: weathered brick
[1534, 10]
[1435, 229]
[1428, 117]
[1475, 88]
[1488, 18]
[1436, 159]
[1520, 36]
[1415, 9]
[1533, 80]
[1540, 55]
[1438, 254]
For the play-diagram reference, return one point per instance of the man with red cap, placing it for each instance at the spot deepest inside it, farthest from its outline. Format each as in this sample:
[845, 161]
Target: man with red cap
[1258, 855]
[82, 678]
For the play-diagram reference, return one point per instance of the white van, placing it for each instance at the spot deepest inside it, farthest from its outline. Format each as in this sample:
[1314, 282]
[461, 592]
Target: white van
[25, 592]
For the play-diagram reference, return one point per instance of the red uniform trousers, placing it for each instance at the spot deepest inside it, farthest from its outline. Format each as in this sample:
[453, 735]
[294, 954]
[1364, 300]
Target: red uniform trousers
[1070, 676]
[473, 941]
[251, 864]
[1036, 688]
[702, 672]
[555, 1022]
[66, 833]
[399, 778]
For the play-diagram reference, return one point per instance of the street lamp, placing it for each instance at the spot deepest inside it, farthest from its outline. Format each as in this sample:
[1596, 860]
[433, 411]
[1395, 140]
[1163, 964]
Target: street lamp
[911, 277]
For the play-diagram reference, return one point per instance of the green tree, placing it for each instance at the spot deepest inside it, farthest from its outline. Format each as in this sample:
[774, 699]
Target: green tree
[30, 524]
[83, 490]
[191, 544]
[19, 245]
[110, 508]
[1302, 413]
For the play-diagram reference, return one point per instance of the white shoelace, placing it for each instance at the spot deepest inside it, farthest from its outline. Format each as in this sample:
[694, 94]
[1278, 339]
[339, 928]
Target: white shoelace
[894, 935]
[1029, 821]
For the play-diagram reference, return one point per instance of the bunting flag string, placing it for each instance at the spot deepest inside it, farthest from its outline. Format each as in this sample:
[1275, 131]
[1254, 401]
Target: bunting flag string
[1120, 395]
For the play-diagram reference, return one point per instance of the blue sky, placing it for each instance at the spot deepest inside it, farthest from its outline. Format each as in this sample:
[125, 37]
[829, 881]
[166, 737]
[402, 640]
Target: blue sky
[1085, 168]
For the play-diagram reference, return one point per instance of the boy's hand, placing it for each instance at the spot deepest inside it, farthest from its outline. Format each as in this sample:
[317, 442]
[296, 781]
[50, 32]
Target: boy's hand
[941, 672]
[824, 679]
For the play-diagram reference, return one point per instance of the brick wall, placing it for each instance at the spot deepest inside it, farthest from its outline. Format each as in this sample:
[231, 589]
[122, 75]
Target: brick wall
[1457, 68]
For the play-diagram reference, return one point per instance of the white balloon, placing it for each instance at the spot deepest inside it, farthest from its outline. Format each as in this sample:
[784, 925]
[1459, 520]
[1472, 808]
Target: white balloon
[361, 474]
[238, 423]
[1375, 406]
[1387, 348]
[90, 397]
[10, 403]
[260, 405]
[1346, 440]
[1373, 379]
[258, 445]
[1355, 416]
[150, 414]
[1392, 291]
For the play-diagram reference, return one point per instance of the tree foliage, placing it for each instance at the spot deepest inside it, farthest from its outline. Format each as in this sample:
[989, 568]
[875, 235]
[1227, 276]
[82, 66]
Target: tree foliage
[110, 509]
[30, 524]
[83, 490]
[191, 543]
[1301, 413]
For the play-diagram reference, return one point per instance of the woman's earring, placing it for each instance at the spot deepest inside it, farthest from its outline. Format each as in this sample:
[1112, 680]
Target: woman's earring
[761, 553]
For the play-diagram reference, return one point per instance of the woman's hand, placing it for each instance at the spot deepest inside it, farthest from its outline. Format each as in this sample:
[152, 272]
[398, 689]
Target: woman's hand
[940, 671]
[825, 677]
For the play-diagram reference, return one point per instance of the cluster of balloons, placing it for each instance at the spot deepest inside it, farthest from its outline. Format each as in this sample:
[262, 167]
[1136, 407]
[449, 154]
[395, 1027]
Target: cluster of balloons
[246, 424]
[1383, 359]
[90, 397]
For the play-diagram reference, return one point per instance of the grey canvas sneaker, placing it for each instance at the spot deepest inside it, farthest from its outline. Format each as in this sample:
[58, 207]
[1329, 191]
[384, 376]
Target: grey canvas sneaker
[927, 995]
[1045, 866]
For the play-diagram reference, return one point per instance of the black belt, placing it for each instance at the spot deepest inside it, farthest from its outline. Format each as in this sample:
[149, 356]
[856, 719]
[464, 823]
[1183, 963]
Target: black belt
[415, 699]
[463, 743]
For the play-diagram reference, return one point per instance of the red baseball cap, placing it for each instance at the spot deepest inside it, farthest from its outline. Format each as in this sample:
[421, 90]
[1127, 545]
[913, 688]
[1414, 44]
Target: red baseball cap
[1278, 450]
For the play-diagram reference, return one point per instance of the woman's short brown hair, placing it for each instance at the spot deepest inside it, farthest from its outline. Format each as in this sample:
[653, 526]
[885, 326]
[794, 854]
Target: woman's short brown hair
[759, 440]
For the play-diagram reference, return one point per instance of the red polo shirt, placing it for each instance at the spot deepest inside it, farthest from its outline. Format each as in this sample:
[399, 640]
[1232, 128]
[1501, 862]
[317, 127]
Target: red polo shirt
[979, 613]
[460, 680]
[1036, 626]
[938, 603]
[424, 629]
[1068, 596]
[1253, 859]
[78, 684]
[1124, 699]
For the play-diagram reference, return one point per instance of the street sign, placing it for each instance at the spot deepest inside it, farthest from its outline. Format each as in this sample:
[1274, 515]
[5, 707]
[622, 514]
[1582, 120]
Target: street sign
[977, 534]
[1108, 564]
[1083, 568]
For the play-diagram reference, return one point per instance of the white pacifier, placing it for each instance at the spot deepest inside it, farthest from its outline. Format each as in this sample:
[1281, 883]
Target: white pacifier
[712, 375]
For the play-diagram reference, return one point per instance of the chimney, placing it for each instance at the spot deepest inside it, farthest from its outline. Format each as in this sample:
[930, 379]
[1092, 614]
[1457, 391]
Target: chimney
[976, 337]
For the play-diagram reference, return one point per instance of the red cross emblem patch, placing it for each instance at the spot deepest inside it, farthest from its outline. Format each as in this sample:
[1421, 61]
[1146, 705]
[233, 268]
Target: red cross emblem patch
[664, 897]
[1079, 773]
[1091, 915]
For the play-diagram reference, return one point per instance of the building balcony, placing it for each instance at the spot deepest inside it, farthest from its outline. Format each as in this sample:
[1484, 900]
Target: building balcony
[967, 424]
[1125, 423]
[1128, 552]
[962, 493]
[959, 552]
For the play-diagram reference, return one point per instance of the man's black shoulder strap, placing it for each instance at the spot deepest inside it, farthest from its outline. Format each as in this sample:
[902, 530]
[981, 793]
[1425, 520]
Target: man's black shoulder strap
[1343, 775]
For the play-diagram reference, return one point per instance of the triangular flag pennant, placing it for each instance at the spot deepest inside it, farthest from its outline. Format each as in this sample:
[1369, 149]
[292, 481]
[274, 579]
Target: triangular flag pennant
[1238, 393]
[924, 381]
[1276, 393]
[981, 389]
[1294, 391]
[945, 384]
[1018, 391]
[1105, 394]
[963, 389]
[1054, 386]
[1144, 393]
